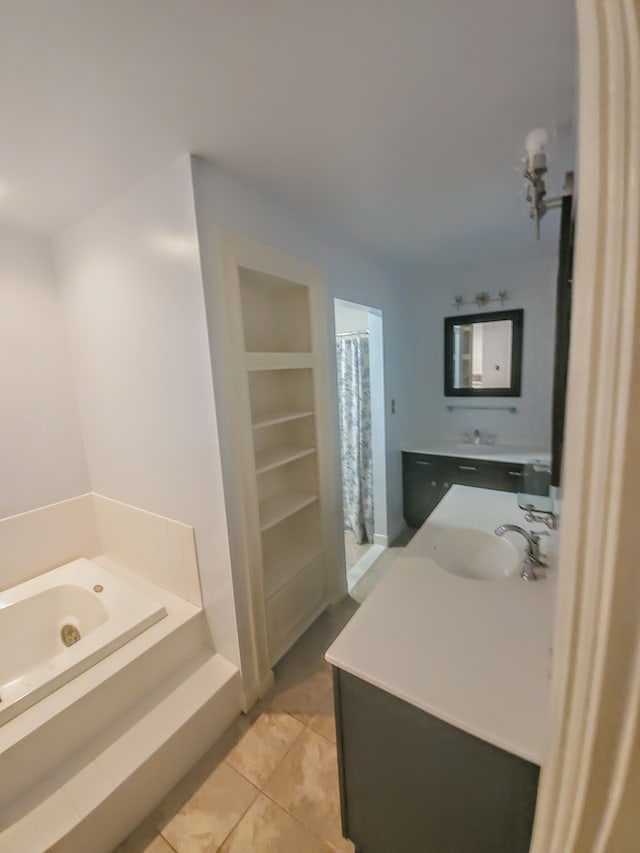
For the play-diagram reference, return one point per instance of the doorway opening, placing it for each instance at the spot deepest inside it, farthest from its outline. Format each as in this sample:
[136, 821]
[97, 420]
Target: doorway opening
[360, 366]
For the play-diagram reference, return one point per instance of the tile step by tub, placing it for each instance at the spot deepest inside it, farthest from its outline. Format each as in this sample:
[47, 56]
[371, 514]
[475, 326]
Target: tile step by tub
[100, 794]
[41, 739]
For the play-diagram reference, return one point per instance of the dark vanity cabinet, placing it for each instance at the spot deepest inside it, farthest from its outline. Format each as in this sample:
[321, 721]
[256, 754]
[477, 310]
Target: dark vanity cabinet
[423, 486]
[426, 478]
[411, 783]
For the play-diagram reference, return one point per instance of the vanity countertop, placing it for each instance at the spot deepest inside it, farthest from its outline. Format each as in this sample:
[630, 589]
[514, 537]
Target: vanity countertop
[491, 452]
[473, 653]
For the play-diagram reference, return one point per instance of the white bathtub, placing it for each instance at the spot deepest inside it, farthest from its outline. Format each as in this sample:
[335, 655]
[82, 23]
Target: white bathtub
[34, 661]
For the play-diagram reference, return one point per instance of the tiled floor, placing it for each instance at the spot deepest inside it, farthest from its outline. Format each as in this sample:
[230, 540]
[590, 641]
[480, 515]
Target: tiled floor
[271, 784]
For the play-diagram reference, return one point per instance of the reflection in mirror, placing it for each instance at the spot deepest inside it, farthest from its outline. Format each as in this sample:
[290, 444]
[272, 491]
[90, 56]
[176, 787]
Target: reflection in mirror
[534, 492]
[483, 354]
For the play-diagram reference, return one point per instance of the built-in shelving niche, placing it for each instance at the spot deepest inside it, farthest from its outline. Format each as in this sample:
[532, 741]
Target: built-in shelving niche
[280, 367]
[284, 490]
[277, 395]
[283, 443]
[289, 547]
[275, 313]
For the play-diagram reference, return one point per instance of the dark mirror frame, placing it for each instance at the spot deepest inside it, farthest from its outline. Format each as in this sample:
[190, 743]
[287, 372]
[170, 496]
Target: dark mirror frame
[517, 318]
[563, 329]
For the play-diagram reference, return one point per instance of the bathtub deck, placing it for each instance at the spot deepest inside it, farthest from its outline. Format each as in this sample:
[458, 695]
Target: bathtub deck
[133, 724]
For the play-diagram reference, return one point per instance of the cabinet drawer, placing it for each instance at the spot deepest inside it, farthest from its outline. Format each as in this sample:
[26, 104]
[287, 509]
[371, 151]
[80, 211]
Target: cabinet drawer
[426, 478]
[482, 473]
[466, 472]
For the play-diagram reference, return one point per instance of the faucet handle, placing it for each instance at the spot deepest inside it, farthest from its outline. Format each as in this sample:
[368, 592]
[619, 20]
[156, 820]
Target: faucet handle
[548, 518]
[528, 568]
[534, 549]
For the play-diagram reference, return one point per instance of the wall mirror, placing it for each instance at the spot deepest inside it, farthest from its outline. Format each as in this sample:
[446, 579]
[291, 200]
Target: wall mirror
[483, 354]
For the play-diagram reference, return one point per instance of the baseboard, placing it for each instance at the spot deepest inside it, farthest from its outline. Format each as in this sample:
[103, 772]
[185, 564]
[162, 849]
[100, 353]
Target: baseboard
[359, 570]
[381, 539]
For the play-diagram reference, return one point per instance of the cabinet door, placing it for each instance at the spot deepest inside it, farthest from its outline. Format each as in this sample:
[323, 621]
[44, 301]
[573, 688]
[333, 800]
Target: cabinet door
[507, 476]
[412, 783]
[424, 486]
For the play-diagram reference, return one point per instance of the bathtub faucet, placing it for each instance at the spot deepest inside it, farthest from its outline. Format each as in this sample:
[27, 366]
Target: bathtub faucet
[532, 555]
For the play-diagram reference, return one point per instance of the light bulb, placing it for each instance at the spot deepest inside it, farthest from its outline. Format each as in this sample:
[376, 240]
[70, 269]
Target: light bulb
[536, 141]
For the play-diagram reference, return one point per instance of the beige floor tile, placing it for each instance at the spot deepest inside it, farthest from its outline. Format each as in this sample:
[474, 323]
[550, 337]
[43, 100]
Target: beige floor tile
[266, 828]
[308, 652]
[205, 806]
[300, 694]
[201, 822]
[263, 744]
[145, 839]
[305, 783]
[323, 721]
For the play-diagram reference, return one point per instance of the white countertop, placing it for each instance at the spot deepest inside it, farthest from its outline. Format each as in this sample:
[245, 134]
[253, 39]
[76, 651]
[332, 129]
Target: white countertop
[474, 653]
[492, 452]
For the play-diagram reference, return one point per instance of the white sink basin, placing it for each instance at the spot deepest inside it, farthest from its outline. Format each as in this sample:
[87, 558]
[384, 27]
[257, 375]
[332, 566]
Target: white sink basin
[474, 554]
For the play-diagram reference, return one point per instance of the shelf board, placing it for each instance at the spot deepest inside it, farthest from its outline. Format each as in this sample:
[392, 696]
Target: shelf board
[289, 567]
[278, 360]
[275, 509]
[279, 418]
[267, 460]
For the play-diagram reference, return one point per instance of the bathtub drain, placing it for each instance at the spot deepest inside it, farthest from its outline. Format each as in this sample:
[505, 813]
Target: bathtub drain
[69, 635]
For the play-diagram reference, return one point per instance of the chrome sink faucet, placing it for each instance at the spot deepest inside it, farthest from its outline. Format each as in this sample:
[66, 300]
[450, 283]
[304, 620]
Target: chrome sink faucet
[532, 556]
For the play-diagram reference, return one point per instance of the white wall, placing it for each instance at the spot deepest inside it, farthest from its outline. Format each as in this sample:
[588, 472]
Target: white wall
[132, 288]
[224, 201]
[41, 452]
[531, 286]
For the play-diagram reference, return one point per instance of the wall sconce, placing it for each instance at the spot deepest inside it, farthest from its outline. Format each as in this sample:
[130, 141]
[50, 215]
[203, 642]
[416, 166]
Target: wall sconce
[535, 168]
[481, 300]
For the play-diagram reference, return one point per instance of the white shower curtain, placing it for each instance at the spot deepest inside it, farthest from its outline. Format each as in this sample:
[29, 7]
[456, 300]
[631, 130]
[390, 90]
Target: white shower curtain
[354, 398]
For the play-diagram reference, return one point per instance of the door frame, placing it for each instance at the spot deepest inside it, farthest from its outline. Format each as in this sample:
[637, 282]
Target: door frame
[378, 414]
[585, 799]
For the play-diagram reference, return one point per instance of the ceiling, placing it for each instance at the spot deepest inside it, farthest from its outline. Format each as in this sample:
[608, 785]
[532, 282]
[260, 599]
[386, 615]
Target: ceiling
[397, 122]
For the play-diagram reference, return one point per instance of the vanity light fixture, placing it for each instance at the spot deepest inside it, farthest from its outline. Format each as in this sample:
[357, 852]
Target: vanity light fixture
[535, 168]
[481, 300]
